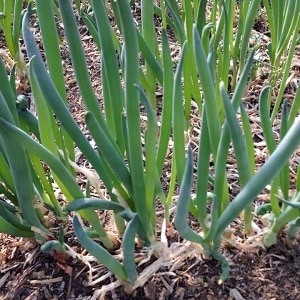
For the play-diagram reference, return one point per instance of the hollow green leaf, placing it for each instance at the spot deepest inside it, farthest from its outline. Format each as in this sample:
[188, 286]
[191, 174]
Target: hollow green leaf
[178, 120]
[263, 209]
[93, 203]
[49, 246]
[9, 214]
[20, 169]
[128, 246]
[109, 150]
[8, 228]
[182, 209]
[166, 120]
[58, 106]
[101, 254]
[291, 203]
[237, 137]
[260, 180]
[210, 96]
[132, 106]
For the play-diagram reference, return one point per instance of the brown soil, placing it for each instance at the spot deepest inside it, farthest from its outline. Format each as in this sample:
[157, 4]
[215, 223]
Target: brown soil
[256, 273]
[26, 273]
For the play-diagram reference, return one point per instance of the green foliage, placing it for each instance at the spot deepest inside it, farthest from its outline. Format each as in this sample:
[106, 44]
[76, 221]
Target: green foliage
[129, 158]
[10, 23]
[17, 178]
[284, 24]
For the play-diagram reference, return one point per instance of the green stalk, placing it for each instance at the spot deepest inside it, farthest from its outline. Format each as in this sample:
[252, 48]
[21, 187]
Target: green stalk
[6, 25]
[286, 68]
[298, 179]
[7, 93]
[243, 9]
[289, 214]
[272, 24]
[11, 16]
[178, 25]
[5, 174]
[109, 151]
[149, 35]
[53, 56]
[240, 150]
[201, 16]
[19, 165]
[181, 222]
[150, 58]
[90, 24]
[45, 117]
[210, 99]
[261, 179]
[128, 247]
[59, 108]
[79, 61]
[220, 185]
[8, 228]
[114, 103]
[294, 109]
[203, 172]
[191, 89]
[172, 186]
[248, 138]
[250, 19]
[270, 141]
[166, 118]
[132, 112]
[285, 173]
[16, 25]
[101, 254]
[151, 172]
[287, 26]
[163, 13]
[59, 169]
[51, 44]
[178, 119]
[47, 189]
[228, 28]
[248, 216]
[8, 194]
[94, 203]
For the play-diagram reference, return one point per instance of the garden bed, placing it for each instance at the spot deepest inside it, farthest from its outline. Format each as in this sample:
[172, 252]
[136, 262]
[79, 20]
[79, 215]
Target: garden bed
[256, 273]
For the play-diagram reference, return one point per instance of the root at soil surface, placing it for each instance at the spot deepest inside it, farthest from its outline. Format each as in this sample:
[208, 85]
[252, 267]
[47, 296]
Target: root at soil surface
[168, 260]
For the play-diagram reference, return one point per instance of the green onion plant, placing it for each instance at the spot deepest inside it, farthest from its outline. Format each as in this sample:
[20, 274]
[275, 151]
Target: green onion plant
[10, 23]
[133, 182]
[284, 24]
[282, 208]
[212, 72]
